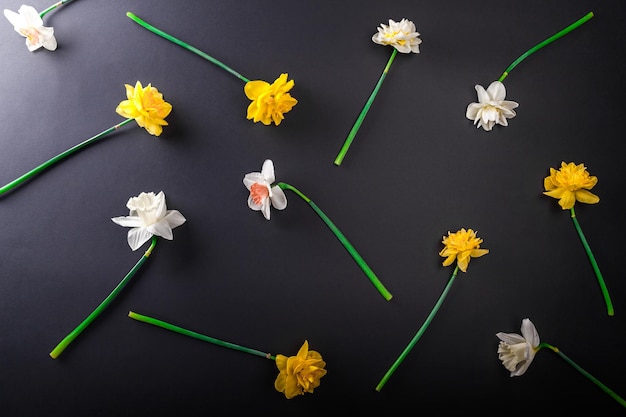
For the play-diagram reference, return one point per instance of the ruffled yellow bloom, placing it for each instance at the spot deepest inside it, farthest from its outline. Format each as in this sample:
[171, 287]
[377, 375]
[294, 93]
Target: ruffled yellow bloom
[300, 373]
[570, 184]
[461, 246]
[146, 106]
[269, 101]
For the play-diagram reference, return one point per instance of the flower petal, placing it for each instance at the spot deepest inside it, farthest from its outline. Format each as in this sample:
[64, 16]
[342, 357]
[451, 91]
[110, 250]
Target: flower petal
[278, 198]
[128, 221]
[267, 171]
[530, 333]
[137, 237]
[586, 197]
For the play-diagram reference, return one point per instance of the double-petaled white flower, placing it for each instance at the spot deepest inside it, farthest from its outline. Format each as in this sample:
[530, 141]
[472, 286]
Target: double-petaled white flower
[517, 352]
[262, 194]
[149, 217]
[401, 35]
[491, 108]
[28, 23]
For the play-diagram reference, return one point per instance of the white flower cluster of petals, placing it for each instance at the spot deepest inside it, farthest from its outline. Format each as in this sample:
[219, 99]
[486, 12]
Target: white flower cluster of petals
[491, 108]
[29, 24]
[401, 35]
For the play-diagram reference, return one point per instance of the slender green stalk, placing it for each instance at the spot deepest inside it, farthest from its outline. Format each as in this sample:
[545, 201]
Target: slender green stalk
[344, 241]
[185, 45]
[594, 264]
[59, 157]
[54, 6]
[585, 373]
[419, 333]
[346, 145]
[546, 42]
[168, 326]
[63, 344]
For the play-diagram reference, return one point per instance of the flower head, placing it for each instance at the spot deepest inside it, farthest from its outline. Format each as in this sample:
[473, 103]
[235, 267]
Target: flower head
[29, 24]
[401, 35]
[491, 108]
[149, 217]
[570, 184]
[269, 101]
[146, 106]
[300, 373]
[517, 352]
[461, 246]
[262, 194]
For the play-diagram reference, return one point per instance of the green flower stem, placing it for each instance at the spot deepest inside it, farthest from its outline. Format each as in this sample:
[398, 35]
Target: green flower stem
[546, 42]
[168, 326]
[54, 6]
[585, 373]
[104, 304]
[594, 264]
[344, 241]
[419, 333]
[344, 149]
[59, 157]
[185, 45]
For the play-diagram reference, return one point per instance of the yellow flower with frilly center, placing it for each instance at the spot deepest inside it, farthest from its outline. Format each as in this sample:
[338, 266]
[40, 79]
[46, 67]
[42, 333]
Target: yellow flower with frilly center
[461, 246]
[146, 106]
[300, 373]
[269, 101]
[569, 184]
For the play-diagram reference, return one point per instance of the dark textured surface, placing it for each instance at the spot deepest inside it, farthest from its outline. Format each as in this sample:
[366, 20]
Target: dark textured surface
[416, 170]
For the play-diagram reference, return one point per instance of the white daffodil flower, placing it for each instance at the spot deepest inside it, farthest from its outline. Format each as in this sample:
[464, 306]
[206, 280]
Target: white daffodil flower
[401, 35]
[262, 194]
[149, 217]
[491, 108]
[29, 24]
[517, 352]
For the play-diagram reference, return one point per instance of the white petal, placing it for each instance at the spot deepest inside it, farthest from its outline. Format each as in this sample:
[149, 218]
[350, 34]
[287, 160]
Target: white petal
[15, 19]
[254, 206]
[530, 333]
[50, 43]
[265, 209]
[279, 199]
[30, 15]
[511, 338]
[162, 229]
[483, 97]
[174, 218]
[128, 221]
[496, 91]
[268, 171]
[472, 110]
[161, 209]
[137, 237]
[251, 178]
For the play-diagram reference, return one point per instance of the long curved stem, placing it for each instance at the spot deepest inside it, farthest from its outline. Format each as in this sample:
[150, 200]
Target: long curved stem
[183, 331]
[540, 45]
[63, 344]
[54, 6]
[585, 373]
[344, 241]
[594, 264]
[59, 157]
[419, 333]
[346, 145]
[185, 45]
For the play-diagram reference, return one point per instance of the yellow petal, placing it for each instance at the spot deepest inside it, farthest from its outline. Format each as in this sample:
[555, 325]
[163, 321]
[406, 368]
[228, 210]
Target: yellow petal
[586, 197]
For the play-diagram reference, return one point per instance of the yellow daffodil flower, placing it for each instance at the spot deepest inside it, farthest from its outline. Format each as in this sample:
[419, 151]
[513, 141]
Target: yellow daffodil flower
[269, 101]
[146, 106]
[461, 246]
[569, 184]
[300, 373]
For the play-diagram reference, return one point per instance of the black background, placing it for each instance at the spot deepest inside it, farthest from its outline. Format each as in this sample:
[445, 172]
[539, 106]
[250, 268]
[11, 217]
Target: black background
[416, 170]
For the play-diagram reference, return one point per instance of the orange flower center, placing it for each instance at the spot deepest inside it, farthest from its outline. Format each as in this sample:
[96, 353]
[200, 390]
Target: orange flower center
[258, 193]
